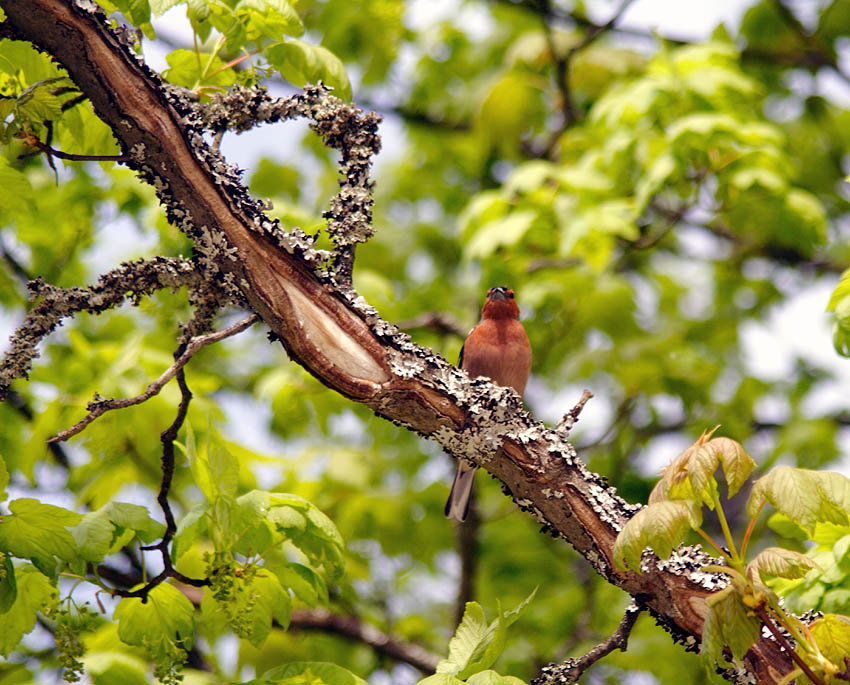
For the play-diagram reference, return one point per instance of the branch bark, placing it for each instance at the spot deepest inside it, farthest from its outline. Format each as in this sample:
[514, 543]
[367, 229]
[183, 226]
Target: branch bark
[332, 332]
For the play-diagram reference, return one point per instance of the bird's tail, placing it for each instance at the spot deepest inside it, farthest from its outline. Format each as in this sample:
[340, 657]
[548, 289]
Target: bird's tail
[457, 506]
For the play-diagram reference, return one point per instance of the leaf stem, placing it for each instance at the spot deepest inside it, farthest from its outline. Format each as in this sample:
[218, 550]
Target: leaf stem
[746, 540]
[727, 534]
[711, 542]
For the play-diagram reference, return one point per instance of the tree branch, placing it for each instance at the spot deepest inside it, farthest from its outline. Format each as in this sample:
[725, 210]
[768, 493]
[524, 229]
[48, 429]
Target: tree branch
[100, 406]
[355, 629]
[130, 280]
[572, 669]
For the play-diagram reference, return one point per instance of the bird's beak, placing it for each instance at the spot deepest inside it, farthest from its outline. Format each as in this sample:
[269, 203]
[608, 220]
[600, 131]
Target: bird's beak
[498, 295]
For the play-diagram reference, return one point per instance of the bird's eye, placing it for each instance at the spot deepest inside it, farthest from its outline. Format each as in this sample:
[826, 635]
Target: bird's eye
[511, 294]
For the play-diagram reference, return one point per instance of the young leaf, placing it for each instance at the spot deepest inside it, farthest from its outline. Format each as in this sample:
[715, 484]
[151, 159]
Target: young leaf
[162, 624]
[476, 645]
[737, 464]
[832, 635]
[300, 63]
[729, 624]
[34, 592]
[106, 530]
[38, 532]
[440, 679]
[309, 672]
[661, 526]
[806, 497]
[493, 678]
[781, 563]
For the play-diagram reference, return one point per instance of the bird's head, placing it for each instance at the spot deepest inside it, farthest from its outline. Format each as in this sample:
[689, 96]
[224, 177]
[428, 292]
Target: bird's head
[500, 304]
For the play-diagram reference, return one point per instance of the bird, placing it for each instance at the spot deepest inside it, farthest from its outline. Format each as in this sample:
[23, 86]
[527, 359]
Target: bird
[498, 348]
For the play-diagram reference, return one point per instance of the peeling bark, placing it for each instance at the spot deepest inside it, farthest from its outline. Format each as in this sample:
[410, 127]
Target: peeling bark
[339, 338]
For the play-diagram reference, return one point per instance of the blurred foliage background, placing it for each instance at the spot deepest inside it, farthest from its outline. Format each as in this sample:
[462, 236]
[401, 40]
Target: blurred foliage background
[658, 204]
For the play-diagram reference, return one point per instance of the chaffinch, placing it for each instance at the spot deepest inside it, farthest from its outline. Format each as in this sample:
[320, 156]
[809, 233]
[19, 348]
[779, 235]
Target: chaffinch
[498, 348]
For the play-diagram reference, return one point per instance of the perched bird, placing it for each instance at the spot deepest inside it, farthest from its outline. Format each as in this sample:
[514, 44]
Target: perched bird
[497, 348]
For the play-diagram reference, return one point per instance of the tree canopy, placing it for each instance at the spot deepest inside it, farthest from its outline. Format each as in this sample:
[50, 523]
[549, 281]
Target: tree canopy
[182, 497]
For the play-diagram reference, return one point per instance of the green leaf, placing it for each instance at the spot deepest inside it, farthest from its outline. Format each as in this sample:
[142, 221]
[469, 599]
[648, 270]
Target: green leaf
[806, 497]
[781, 563]
[8, 586]
[440, 679]
[269, 18]
[661, 526]
[832, 635]
[191, 525]
[505, 231]
[162, 625]
[729, 624]
[493, 678]
[310, 673]
[737, 464]
[307, 585]
[34, 592]
[111, 527]
[115, 668]
[190, 69]
[839, 303]
[476, 644]
[38, 532]
[301, 63]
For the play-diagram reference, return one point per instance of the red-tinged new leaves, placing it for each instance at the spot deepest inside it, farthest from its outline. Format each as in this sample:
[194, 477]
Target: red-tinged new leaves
[806, 497]
[691, 474]
[781, 563]
[661, 526]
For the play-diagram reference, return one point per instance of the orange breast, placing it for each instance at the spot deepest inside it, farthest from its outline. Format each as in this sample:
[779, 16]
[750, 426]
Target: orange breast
[499, 349]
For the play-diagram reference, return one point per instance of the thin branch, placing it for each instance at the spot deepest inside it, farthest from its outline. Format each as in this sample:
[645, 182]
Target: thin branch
[569, 419]
[355, 629]
[572, 669]
[100, 406]
[761, 612]
[168, 436]
[32, 141]
[131, 280]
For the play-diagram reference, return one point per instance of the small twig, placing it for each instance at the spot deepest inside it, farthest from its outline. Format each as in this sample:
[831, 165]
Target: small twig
[168, 436]
[438, 322]
[52, 152]
[570, 418]
[572, 669]
[761, 612]
[98, 406]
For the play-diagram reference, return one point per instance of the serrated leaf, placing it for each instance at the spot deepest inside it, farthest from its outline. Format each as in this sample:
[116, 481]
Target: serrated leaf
[729, 624]
[307, 585]
[301, 63]
[737, 464]
[660, 526]
[38, 532]
[106, 530]
[190, 526]
[476, 644]
[832, 635]
[781, 563]
[165, 621]
[310, 672]
[806, 497]
[34, 591]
